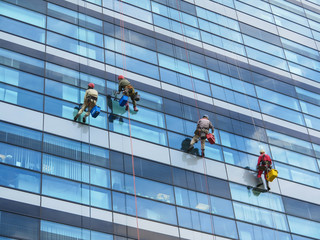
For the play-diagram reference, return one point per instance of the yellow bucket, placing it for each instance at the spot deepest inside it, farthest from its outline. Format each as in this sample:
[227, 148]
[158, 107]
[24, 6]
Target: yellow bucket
[272, 174]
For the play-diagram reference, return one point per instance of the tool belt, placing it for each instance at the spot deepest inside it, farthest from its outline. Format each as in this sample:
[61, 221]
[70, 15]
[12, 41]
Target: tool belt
[202, 132]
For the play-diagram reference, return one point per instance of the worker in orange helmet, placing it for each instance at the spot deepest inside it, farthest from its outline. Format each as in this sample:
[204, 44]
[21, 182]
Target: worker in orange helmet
[264, 166]
[128, 90]
[89, 101]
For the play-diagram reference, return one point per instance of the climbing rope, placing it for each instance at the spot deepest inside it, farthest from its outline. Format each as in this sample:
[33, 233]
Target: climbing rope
[123, 44]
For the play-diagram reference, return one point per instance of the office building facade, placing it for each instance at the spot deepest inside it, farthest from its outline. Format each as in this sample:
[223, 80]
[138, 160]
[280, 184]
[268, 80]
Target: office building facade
[253, 66]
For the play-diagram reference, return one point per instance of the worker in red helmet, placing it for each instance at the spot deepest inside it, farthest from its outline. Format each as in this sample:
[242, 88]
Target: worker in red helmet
[128, 90]
[264, 166]
[89, 101]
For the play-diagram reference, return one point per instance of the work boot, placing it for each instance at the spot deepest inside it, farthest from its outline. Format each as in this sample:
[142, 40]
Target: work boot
[135, 109]
[190, 148]
[84, 120]
[127, 106]
[202, 152]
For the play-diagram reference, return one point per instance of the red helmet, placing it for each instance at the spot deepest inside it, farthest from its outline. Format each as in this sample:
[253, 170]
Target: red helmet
[91, 85]
[120, 77]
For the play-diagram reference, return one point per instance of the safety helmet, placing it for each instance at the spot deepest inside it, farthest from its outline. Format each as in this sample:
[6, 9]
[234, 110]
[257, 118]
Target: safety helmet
[120, 77]
[262, 150]
[91, 85]
[205, 116]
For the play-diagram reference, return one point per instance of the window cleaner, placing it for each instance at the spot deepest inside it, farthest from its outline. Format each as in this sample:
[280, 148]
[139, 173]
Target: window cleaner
[263, 166]
[89, 101]
[128, 91]
[202, 132]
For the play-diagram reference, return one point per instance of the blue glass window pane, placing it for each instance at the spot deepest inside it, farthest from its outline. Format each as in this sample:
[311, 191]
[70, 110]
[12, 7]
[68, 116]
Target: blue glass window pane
[182, 67]
[130, 50]
[60, 108]
[252, 232]
[278, 98]
[145, 115]
[22, 14]
[140, 3]
[50, 230]
[99, 83]
[290, 143]
[235, 97]
[65, 168]
[63, 91]
[289, 15]
[100, 176]
[312, 122]
[301, 49]
[75, 46]
[241, 143]
[22, 29]
[266, 58]
[64, 189]
[258, 44]
[100, 197]
[147, 188]
[75, 31]
[223, 43]
[254, 11]
[310, 108]
[62, 147]
[137, 66]
[305, 61]
[21, 79]
[63, 27]
[18, 227]
[129, 10]
[294, 158]
[239, 158]
[174, 14]
[20, 136]
[100, 236]
[270, 201]
[221, 207]
[21, 97]
[62, 74]
[176, 26]
[150, 100]
[139, 130]
[281, 112]
[19, 179]
[179, 125]
[217, 18]
[20, 157]
[228, 3]
[260, 216]
[146, 208]
[225, 227]
[298, 175]
[22, 62]
[304, 72]
[219, 30]
[310, 229]
[65, 43]
[293, 26]
[232, 83]
[310, 97]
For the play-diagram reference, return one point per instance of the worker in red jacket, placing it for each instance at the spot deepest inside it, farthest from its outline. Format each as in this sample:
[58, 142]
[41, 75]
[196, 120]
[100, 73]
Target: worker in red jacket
[264, 165]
